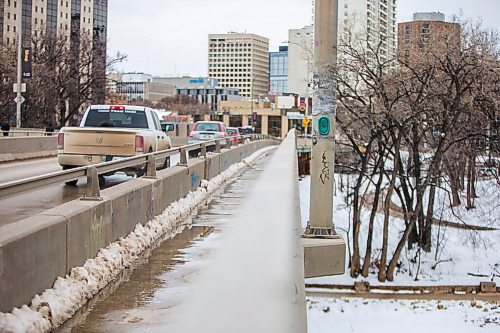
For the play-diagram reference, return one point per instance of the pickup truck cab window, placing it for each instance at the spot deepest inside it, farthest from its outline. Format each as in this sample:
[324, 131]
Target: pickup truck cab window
[116, 118]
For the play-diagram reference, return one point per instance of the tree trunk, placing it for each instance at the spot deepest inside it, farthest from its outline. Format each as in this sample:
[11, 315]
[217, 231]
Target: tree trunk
[376, 198]
[382, 272]
[356, 219]
[470, 184]
[427, 232]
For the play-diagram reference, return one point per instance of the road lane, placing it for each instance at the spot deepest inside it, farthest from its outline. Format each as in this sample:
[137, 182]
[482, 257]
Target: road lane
[26, 204]
[25, 169]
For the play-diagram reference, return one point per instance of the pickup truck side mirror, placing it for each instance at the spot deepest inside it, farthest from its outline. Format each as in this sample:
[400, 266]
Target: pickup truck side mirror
[167, 127]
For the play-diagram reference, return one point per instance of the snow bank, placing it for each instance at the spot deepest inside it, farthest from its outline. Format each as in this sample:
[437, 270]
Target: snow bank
[54, 306]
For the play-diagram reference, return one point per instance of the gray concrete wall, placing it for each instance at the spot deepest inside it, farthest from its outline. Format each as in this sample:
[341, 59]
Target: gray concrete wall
[35, 251]
[19, 148]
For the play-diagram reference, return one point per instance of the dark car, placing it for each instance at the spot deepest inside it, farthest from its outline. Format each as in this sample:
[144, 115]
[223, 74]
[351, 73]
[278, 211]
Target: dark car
[245, 130]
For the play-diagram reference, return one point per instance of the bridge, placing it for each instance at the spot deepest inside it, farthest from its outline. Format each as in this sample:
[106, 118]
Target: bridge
[262, 260]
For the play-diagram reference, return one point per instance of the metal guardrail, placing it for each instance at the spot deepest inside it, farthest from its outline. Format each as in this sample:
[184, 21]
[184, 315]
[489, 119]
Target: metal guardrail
[92, 172]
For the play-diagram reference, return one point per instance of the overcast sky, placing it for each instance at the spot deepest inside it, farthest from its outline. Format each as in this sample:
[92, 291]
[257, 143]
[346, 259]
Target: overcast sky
[169, 37]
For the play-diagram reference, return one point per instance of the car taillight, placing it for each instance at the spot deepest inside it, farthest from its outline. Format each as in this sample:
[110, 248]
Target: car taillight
[117, 107]
[191, 134]
[60, 141]
[139, 144]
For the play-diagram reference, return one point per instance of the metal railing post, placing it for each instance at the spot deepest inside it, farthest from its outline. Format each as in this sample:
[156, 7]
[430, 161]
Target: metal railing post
[217, 146]
[151, 167]
[204, 150]
[92, 191]
[183, 157]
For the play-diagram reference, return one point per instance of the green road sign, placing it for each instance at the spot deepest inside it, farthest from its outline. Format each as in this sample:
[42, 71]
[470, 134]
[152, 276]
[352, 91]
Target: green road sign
[323, 126]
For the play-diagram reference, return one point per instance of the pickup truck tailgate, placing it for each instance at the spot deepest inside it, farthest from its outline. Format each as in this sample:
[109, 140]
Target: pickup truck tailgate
[91, 141]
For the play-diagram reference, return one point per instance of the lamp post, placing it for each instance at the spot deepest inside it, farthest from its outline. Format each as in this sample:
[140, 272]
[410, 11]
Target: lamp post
[251, 102]
[19, 97]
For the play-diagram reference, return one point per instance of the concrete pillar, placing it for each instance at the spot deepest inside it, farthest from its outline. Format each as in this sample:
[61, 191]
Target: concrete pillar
[325, 58]
[284, 126]
[324, 250]
[244, 121]
[206, 117]
[225, 119]
[264, 124]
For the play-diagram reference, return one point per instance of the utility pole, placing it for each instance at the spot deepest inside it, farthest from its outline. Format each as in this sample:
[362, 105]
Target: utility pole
[324, 250]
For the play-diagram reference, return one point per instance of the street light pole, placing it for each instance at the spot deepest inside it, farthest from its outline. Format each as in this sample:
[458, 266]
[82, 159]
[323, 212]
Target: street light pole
[19, 63]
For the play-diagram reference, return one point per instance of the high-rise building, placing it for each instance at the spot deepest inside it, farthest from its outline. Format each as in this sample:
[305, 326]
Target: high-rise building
[278, 71]
[56, 16]
[240, 61]
[68, 19]
[427, 33]
[375, 18]
[372, 20]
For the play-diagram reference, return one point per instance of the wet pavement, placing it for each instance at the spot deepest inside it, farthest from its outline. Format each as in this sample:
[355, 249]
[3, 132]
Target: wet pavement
[147, 296]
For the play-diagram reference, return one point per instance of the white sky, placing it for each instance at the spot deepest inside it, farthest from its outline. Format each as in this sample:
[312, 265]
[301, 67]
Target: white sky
[169, 37]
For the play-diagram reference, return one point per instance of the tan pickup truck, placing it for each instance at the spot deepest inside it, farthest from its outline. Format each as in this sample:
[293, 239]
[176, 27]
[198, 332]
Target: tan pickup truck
[109, 132]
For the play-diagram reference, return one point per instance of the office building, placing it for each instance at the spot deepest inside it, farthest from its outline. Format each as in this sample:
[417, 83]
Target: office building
[240, 61]
[278, 71]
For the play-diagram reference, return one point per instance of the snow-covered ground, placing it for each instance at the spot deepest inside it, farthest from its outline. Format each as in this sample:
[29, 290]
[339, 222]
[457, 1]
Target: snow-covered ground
[461, 252]
[359, 315]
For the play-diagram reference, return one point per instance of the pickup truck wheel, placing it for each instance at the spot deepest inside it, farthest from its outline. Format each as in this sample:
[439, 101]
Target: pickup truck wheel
[70, 182]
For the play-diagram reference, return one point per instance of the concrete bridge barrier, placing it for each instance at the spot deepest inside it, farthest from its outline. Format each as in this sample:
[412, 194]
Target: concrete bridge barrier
[20, 148]
[37, 250]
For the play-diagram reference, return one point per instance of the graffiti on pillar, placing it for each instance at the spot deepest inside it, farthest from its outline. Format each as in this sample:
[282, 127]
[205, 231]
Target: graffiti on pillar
[315, 139]
[325, 172]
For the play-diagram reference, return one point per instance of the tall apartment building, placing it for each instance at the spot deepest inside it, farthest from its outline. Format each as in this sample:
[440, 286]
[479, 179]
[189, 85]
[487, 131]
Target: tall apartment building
[376, 18]
[240, 61]
[427, 33]
[69, 19]
[57, 16]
